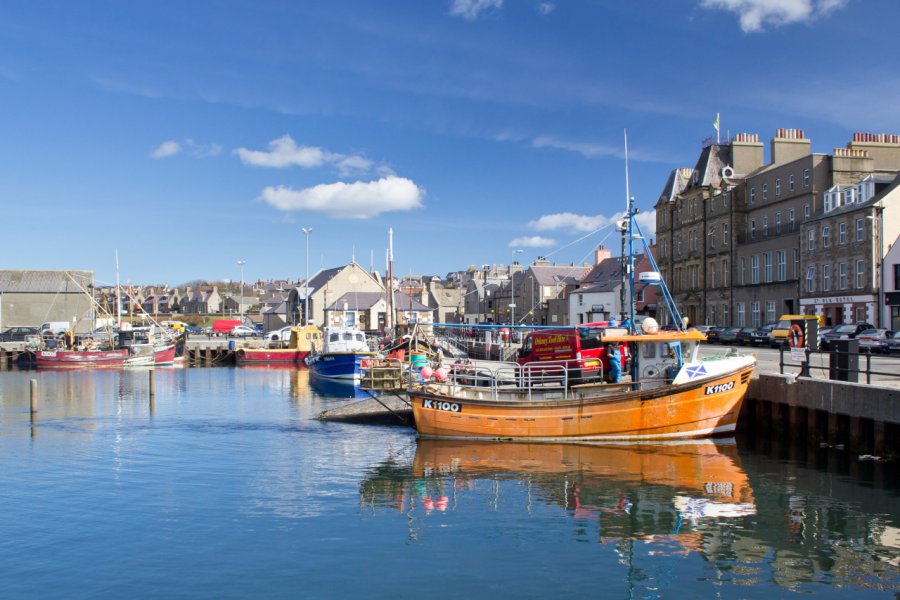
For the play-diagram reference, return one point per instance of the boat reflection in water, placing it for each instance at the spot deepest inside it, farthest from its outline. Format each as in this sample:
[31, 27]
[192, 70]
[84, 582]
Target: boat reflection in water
[660, 493]
[335, 388]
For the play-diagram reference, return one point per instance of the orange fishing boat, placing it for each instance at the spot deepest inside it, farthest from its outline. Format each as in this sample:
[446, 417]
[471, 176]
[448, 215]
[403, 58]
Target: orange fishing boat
[671, 394]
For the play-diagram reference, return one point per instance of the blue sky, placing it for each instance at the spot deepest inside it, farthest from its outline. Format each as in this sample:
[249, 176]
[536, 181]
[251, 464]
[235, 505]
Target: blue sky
[191, 135]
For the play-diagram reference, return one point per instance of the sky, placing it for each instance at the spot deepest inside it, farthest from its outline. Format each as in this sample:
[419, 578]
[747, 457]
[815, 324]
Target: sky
[188, 136]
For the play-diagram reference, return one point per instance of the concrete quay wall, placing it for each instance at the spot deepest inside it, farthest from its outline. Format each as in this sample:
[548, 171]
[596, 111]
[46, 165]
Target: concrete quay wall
[858, 417]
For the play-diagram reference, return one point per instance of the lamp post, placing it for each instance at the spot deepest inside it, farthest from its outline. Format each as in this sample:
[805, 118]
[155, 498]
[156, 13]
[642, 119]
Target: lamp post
[306, 231]
[241, 264]
[512, 290]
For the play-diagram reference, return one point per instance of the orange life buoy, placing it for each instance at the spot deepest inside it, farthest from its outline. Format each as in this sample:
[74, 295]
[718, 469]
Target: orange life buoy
[796, 336]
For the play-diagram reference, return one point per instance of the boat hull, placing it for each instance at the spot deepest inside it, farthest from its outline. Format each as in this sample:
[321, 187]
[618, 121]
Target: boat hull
[701, 408]
[258, 356]
[80, 359]
[164, 355]
[339, 365]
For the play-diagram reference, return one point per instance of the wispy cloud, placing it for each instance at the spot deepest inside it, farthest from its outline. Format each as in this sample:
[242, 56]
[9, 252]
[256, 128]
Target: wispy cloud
[284, 152]
[756, 15]
[545, 8]
[534, 241]
[573, 223]
[189, 146]
[471, 10]
[166, 149]
[587, 149]
[357, 200]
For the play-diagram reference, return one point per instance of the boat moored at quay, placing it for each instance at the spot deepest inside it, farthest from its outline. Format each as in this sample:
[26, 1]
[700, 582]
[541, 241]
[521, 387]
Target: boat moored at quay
[668, 393]
[302, 341]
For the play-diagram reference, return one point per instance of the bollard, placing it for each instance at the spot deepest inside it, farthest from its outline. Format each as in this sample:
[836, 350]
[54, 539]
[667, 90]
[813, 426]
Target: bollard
[33, 396]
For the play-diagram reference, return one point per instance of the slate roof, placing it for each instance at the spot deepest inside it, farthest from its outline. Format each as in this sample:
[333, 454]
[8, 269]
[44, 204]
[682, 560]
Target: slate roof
[44, 281]
[678, 180]
[558, 274]
[367, 300]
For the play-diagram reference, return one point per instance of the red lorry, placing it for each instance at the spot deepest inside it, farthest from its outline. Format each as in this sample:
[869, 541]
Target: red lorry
[224, 326]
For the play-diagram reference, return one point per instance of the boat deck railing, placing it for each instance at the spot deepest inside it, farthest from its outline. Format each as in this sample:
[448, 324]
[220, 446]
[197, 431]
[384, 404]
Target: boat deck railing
[493, 379]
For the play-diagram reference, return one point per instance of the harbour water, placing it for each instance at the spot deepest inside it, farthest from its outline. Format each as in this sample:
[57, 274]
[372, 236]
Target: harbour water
[227, 486]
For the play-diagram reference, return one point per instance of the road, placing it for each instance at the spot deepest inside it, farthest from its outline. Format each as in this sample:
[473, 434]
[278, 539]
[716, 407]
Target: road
[885, 369]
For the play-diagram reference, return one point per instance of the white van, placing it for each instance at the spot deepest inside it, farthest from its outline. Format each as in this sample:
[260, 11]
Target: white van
[54, 327]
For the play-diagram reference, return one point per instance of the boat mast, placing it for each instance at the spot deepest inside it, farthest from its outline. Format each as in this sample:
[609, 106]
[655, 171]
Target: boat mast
[629, 208]
[118, 295]
[389, 320]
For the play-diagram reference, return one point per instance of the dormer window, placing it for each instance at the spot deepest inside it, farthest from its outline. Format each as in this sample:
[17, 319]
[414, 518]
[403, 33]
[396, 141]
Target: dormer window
[831, 199]
[865, 189]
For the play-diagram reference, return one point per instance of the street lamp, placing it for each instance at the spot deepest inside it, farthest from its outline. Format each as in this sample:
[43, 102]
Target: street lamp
[512, 291]
[306, 231]
[241, 264]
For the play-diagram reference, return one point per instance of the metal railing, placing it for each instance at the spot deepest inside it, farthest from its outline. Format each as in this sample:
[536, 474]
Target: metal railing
[841, 366]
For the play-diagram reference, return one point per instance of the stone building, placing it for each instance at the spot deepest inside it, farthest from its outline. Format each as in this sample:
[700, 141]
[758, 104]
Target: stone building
[757, 229]
[30, 298]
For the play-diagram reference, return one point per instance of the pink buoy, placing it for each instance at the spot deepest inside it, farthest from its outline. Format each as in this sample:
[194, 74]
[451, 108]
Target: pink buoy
[441, 373]
[426, 372]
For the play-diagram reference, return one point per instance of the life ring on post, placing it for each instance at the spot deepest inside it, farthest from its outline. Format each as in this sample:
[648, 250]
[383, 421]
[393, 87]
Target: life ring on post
[795, 338]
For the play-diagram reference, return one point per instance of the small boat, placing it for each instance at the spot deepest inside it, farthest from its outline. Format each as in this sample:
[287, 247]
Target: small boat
[303, 339]
[344, 354]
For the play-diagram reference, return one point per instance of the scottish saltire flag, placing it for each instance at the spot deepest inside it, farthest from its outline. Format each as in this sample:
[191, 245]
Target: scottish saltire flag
[695, 371]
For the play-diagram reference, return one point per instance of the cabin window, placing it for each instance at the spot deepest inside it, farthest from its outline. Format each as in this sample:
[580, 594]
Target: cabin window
[648, 350]
[334, 337]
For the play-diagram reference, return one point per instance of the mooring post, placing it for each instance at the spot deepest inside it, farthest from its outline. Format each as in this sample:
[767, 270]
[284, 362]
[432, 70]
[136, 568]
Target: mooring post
[33, 396]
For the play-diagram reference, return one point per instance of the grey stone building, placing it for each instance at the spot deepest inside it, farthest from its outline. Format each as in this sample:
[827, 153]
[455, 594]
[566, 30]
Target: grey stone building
[768, 230]
[30, 298]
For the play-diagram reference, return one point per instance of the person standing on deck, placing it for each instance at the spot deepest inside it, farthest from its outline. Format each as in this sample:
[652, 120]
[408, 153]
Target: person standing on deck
[615, 363]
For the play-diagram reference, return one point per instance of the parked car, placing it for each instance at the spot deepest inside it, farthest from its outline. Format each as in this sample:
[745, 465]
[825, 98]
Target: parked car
[17, 334]
[193, 329]
[891, 344]
[871, 340]
[729, 335]
[101, 334]
[847, 331]
[242, 331]
[279, 335]
[751, 336]
[712, 336]
[703, 328]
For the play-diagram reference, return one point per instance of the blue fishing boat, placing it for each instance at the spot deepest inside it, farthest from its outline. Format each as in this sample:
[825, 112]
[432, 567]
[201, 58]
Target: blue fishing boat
[344, 354]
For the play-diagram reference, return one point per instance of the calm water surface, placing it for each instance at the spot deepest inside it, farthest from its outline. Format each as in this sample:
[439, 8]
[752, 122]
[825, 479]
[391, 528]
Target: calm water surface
[228, 487]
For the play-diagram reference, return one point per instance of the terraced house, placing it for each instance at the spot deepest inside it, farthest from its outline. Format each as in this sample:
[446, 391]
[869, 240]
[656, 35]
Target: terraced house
[806, 232]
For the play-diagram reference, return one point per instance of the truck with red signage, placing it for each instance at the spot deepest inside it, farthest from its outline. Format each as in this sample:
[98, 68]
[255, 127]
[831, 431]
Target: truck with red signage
[581, 350]
[224, 326]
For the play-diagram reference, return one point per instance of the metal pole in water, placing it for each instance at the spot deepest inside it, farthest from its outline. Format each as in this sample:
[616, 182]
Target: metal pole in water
[152, 386]
[33, 397]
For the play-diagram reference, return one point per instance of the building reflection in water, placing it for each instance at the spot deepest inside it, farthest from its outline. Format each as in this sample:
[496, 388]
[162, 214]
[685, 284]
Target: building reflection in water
[676, 499]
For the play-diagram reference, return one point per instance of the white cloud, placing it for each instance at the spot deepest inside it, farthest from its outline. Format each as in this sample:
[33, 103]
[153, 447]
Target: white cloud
[166, 149]
[587, 223]
[472, 9]
[284, 152]
[545, 8]
[171, 148]
[534, 241]
[756, 15]
[358, 200]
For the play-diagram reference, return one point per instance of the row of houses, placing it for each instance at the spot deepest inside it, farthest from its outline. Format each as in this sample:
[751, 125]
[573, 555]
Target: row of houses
[742, 240]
